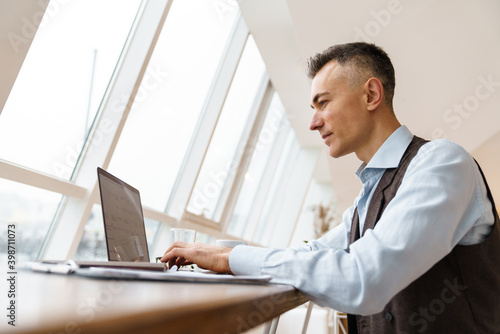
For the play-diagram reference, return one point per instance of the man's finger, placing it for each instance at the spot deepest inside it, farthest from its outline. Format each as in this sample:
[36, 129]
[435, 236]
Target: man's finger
[170, 252]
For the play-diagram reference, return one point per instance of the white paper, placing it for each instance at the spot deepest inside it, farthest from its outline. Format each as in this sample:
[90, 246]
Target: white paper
[177, 276]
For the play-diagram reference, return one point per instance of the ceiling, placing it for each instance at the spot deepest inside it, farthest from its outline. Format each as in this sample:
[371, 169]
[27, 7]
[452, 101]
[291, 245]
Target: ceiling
[446, 55]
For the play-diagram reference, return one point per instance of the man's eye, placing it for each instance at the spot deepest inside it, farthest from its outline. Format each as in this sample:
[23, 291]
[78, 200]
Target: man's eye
[322, 103]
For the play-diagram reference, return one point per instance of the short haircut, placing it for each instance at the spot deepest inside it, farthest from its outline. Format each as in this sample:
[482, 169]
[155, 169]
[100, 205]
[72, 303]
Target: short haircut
[365, 58]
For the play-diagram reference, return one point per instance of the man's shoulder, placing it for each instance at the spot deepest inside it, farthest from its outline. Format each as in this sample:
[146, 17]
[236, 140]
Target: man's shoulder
[443, 159]
[442, 152]
[443, 146]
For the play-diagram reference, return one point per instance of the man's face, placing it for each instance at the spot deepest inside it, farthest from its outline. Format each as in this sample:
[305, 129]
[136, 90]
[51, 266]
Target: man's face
[340, 114]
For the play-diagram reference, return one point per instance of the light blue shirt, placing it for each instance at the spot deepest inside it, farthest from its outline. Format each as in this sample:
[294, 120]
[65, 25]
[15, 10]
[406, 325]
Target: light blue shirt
[441, 202]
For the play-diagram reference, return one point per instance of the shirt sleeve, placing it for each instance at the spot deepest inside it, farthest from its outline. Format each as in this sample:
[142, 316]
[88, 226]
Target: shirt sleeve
[437, 203]
[247, 260]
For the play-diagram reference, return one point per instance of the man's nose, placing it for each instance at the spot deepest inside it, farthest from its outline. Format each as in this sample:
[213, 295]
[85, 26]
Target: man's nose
[316, 122]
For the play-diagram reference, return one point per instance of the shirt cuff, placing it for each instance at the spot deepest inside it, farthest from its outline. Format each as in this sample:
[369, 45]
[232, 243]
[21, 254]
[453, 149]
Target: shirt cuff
[247, 260]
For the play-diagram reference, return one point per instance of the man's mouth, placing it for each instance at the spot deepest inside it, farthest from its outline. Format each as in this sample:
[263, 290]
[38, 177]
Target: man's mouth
[326, 135]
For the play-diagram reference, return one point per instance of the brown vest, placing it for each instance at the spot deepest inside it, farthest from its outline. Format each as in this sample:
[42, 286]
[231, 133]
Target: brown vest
[459, 294]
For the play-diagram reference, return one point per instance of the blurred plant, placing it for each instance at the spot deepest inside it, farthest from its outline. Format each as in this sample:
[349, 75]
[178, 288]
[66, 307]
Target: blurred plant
[324, 219]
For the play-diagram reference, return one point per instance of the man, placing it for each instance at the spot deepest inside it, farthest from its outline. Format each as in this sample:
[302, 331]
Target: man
[419, 251]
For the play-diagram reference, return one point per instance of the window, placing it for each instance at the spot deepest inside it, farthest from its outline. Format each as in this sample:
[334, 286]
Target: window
[93, 244]
[53, 102]
[226, 147]
[319, 193]
[165, 113]
[31, 210]
[276, 193]
[257, 181]
[167, 109]
[284, 199]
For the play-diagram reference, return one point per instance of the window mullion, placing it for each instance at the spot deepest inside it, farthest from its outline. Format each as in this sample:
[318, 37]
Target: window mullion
[199, 145]
[244, 150]
[17, 173]
[270, 173]
[276, 203]
[293, 192]
[264, 100]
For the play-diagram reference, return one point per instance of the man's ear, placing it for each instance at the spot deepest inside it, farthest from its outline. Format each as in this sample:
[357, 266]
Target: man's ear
[374, 93]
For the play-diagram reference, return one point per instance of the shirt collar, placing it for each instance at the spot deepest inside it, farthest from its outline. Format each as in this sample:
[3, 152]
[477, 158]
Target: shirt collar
[390, 153]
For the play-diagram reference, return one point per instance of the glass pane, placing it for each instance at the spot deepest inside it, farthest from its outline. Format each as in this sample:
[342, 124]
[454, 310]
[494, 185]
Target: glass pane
[226, 146]
[274, 123]
[163, 118]
[56, 95]
[290, 199]
[31, 210]
[92, 247]
[274, 198]
[308, 226]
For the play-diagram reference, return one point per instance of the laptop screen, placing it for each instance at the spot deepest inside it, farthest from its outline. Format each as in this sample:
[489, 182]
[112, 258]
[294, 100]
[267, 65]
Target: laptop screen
[123, 219]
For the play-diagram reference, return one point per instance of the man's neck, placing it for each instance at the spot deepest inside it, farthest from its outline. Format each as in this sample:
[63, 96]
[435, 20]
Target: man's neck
[381, 131]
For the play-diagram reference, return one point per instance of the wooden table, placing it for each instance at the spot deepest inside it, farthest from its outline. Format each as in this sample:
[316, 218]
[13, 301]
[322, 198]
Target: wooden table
[51, 303]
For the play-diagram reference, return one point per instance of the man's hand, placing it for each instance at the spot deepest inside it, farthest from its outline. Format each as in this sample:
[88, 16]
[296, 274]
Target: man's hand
[209, 257]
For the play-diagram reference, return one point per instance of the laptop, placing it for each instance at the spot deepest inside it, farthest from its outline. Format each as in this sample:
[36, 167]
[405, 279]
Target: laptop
[124, 228]
[123, 219]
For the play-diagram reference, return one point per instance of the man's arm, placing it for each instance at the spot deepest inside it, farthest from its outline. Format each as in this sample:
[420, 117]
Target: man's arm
[217, 258]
